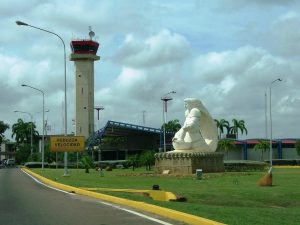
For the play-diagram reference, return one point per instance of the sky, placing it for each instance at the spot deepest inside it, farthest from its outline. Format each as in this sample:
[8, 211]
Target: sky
[226, 53]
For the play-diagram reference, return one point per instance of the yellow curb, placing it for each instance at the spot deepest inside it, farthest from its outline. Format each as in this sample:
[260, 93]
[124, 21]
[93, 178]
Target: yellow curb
[154, 194]
[286, 167]
[169, 213]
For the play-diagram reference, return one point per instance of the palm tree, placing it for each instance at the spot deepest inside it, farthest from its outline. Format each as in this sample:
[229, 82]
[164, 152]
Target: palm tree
[172, 126]
[147, 159]
[225, 145]
[133, 160]
[22, 132]
[262, 145]
[87, 163]
[3, 128]
[297, 146]
[238, 125]
[221, 124]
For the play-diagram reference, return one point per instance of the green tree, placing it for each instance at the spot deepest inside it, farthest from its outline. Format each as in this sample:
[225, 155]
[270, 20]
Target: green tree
[3, 128]
[87, 163]
[147, 159]
[172, 126]
[262, 146]
[226, 145]
[133, 160]
[50, 156]
[221, 124]
[23, 153]
[238, 125]
[22, 132]
[297, 146]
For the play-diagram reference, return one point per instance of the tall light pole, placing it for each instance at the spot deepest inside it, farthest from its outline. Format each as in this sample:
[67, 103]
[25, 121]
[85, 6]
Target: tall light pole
[165, 100]
[266, 117]
[31, 128]
[98, 108]
[20, 23]
[43, 137]
[144, 117]
[271, 149]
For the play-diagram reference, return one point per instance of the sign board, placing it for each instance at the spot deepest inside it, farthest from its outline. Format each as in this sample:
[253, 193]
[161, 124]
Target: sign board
[66, 143]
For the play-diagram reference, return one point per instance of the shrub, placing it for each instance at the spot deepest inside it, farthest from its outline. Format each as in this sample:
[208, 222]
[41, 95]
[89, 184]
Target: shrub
[87, 163]
[286, 162]
[35, 164]
[244, 165]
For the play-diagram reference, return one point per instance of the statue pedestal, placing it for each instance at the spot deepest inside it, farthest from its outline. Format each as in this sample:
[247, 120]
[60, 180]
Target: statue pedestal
[187, 163]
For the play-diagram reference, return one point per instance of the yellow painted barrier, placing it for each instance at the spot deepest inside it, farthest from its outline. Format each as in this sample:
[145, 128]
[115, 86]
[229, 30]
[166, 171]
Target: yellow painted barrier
[154, 194]
[286, 167]
[169, 213]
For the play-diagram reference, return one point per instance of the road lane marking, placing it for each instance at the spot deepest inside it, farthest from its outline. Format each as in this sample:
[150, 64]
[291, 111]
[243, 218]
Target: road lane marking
[135, 213]
[102, 202]
[36, 180]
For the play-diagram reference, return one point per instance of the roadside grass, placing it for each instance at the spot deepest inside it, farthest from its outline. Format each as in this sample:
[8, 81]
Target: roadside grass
[232, 197]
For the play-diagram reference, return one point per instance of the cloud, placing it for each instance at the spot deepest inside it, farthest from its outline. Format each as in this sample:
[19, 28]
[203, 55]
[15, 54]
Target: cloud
[160, 49]
[236, 5]
[225, 54]
[16, 7]
[285, 35]
[213, 67]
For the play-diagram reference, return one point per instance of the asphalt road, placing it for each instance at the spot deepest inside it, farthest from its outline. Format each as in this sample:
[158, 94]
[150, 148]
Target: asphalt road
[23, 201]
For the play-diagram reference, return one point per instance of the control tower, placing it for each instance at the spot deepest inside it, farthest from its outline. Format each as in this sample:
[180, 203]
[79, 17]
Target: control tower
[84, 54]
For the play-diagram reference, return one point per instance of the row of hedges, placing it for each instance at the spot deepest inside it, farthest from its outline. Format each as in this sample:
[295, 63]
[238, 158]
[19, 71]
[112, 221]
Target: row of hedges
[285, 162]
[244, 165]
[51, 165]
[112, 164]
[101, 164]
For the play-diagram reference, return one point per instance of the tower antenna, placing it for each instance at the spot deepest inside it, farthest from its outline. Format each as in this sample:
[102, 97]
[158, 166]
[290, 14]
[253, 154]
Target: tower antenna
[91, 33]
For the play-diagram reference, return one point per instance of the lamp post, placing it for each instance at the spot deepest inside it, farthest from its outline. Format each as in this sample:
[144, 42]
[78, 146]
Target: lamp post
[266, 117]
[43, 137]
[271, 149]
[31, 128]
[165, 100]
[20, 23]
[98, 108]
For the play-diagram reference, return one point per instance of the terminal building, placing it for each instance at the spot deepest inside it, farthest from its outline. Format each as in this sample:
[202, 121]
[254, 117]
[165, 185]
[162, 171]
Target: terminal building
[118, 140]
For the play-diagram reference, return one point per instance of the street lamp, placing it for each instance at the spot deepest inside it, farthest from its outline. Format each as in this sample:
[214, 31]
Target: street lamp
[43, 137]
[20, 23]
[165, 100]
[98, 108]
[31, 128]
[266, 117]
[271, 149]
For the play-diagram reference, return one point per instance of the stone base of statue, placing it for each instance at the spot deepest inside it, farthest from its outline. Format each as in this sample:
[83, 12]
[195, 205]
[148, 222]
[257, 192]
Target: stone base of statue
[177, 162]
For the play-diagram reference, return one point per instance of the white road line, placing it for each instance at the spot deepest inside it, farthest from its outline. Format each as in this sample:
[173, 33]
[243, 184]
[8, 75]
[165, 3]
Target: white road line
[36, 180]
[135, 213]
[104, 203]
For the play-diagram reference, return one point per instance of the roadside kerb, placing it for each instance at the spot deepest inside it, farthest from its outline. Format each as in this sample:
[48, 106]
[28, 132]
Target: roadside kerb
[154, 194]
[287, 167]
[169, 213]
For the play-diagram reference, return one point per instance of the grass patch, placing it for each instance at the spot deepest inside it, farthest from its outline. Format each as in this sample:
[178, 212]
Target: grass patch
[231, 197]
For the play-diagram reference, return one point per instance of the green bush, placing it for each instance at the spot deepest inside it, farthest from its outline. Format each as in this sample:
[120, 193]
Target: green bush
[244, 165]
[35, 164]
[87, 163]
[286, 162]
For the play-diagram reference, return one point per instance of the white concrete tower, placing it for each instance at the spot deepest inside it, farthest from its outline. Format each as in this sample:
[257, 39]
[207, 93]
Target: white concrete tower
[84, 54]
